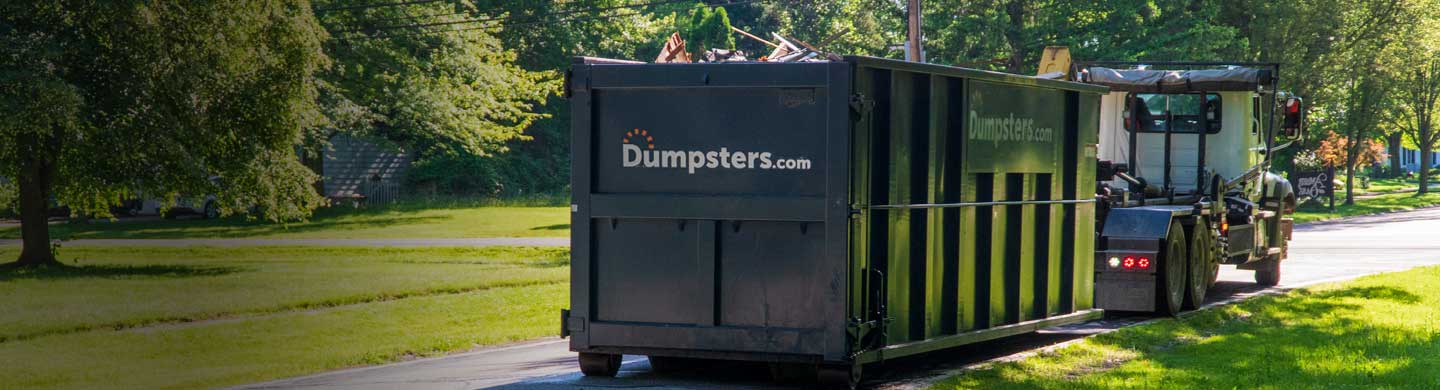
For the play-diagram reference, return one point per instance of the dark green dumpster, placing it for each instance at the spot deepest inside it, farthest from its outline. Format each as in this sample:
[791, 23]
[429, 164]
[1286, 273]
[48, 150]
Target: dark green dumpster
[827, 213]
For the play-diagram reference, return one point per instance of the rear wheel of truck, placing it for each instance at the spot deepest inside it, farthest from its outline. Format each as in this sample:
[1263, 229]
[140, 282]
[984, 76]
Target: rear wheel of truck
[841, 376]
[599, 364]
[1171, 273]
[1268, 271]
[1201, 266]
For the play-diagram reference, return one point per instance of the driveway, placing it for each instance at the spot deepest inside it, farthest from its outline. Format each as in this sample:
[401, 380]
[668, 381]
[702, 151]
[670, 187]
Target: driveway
[1321, 252]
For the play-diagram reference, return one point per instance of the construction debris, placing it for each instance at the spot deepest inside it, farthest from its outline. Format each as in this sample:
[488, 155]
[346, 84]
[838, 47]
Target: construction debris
[722, 55]
[786, 50]
[673, 51]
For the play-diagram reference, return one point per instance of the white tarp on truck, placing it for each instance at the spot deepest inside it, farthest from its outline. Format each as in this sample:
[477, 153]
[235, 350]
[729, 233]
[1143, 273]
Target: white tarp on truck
[1178, 81]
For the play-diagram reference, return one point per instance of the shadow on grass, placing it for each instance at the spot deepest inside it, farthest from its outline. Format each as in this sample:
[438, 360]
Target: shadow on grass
[561, 226]
[1306, 339]
[62, 272]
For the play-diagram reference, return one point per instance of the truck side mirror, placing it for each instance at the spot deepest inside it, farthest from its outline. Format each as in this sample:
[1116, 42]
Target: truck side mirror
[1292, 128]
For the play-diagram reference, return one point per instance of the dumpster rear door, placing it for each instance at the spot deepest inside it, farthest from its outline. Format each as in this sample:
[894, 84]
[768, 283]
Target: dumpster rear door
[710, 210]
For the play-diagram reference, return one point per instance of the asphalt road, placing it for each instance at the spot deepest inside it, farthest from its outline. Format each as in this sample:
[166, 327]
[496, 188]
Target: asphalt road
[1319, 253]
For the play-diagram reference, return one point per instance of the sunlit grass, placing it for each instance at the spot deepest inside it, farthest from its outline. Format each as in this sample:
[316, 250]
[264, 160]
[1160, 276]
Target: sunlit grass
[1375, 332]
[206, 317]
[225, 353]
[1378, 204]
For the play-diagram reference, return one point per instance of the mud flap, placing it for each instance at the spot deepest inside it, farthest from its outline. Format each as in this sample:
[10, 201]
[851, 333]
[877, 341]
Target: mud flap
[1130, 232]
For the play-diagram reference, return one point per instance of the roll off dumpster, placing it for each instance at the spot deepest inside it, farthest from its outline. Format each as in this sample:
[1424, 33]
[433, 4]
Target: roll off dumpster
[830, 213]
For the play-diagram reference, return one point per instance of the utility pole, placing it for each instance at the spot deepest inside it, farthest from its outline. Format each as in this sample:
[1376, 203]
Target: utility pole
[916, 52]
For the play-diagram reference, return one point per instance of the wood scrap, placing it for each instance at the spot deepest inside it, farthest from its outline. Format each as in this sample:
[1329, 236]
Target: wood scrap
[673, 51]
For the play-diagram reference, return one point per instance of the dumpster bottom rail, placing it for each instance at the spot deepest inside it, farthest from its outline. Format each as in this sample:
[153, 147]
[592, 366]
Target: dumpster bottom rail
[939, 343]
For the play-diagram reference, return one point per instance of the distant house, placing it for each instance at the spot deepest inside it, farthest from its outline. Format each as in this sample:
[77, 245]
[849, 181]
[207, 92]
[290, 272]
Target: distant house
[355, 168]
[1410, 159]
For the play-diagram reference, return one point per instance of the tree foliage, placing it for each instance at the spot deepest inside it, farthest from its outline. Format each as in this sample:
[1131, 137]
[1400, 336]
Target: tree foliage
[103, 101]
[1335, 151]
[1009, 35]
[1417, 104]
[428, 90]
[706, 28]
[541, 43]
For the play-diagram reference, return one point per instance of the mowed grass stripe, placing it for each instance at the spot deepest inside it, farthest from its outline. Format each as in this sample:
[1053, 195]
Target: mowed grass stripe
[170, 322]
[117, 288]
[283, 345]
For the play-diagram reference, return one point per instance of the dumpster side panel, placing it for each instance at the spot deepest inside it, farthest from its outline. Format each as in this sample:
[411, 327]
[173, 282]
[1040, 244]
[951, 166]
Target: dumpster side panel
[973, 191]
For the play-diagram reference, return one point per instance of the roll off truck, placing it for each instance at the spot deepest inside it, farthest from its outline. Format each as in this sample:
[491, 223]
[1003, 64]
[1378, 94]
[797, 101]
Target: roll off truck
[835, 214]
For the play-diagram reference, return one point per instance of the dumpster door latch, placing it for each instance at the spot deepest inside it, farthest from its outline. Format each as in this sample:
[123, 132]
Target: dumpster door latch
[570, 324]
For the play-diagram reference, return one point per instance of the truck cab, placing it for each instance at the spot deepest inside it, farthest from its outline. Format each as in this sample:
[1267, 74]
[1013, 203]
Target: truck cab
[1184, 178]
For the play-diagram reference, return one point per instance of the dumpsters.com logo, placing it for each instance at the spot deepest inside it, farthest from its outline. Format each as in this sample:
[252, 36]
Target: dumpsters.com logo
[634, 155]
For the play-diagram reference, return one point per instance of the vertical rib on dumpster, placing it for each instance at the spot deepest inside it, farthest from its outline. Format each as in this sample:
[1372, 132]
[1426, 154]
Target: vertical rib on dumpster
[1086, 113]
[939, 318]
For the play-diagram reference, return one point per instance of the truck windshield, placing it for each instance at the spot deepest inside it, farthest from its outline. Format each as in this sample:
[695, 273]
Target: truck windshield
[1185, 107]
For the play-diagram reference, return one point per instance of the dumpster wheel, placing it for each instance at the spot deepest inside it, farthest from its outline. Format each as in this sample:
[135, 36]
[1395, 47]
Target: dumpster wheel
[599, 364]
[839, 376]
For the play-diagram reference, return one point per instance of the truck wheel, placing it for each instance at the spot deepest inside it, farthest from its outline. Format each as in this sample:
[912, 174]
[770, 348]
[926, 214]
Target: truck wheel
[599, 364]
[1268, 273]
[1171, 272]
[1202, 258]
[841, 376]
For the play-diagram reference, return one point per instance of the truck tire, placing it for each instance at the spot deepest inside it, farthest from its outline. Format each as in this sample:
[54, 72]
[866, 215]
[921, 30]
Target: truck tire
[599, 364]
[1268, 272]
[1170, 272]
[1201, 265]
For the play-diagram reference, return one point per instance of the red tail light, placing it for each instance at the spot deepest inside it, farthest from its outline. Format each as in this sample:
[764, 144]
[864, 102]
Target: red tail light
[1129, 262]
[1144, 263]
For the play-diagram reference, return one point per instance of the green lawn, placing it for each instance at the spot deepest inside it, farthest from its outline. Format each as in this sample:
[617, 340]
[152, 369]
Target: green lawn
[1379, 204]
[209, 317]
[1378, 186]
[1377, 332]
[342, 222]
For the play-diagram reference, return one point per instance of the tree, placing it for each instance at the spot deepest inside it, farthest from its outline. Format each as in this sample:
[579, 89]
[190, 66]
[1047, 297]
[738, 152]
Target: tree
[1009, 35]
[102, 101]
[541, 43]
[1359, 126]
[447, 89]
[1335, 150]
[1416, 113]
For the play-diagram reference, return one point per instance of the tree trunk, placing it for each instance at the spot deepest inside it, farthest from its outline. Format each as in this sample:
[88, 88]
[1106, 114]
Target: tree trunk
[1350, 180]
[1424, 171]
[36, 176]
[1014, 35]
[1396, 147]
[1350, 186]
